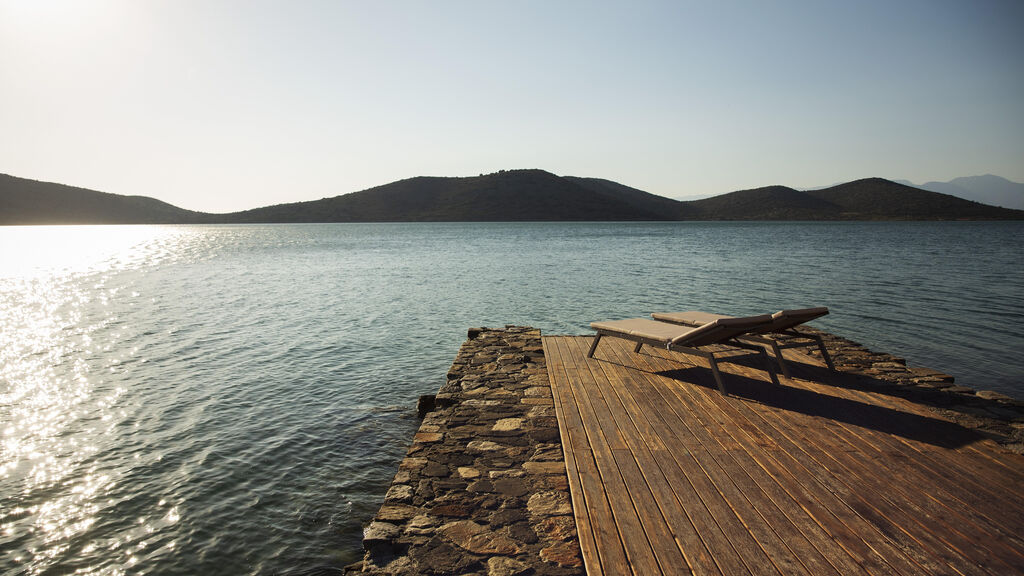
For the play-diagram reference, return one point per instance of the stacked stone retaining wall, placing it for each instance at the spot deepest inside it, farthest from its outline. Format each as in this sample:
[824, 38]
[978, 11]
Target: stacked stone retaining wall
[483, 488]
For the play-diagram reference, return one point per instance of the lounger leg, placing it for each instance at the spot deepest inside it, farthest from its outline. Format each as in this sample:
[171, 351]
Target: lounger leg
[639, 345]
[594, 346]
[717, 375]
[824, 353]
[768, 367]
[778, 357]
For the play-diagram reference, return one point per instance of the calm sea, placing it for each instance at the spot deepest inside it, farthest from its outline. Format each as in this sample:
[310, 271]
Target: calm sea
[235, 399]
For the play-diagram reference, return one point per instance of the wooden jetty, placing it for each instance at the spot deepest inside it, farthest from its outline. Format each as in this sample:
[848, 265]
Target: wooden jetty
[816, 476]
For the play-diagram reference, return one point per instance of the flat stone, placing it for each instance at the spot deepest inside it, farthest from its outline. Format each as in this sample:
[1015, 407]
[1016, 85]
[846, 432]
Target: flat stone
[428, 437]
[436, 469]
[379, 533]
[510, 487]
[544, 434]
[508, 516]
[421, 525]
[481, 486]
[566, 554]
[396, 512]
[398, 493]
[412, 463]
[468, 473]
[483, 446]
[503, 566]
[492, 474]
[549, 503]
[479, 540]
[508, 425]
[522, 532]
[538, 391]
[560, 483]
[992, 395]
[440, 557]
[537, 401]
[544, 467]
[451, 510]
[557, 528]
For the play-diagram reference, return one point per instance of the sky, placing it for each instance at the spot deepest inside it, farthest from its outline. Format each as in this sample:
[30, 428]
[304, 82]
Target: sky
[224, 105]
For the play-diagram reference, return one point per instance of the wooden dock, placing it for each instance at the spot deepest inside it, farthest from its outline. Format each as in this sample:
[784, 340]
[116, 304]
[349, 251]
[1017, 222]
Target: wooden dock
[814, 477]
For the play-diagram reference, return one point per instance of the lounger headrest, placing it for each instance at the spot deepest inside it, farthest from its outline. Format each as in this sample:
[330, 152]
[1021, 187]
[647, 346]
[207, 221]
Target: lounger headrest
[722, 329]
[786, 319]
[804, 314]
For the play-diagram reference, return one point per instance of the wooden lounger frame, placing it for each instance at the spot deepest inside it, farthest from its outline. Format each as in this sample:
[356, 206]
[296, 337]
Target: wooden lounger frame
[777, 347]
[759, 336]
[705, 354]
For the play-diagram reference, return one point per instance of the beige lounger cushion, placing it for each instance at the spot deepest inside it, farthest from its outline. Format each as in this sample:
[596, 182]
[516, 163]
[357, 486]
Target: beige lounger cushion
[650, 329]
[717, 331]
[781, 320]
[691, 317]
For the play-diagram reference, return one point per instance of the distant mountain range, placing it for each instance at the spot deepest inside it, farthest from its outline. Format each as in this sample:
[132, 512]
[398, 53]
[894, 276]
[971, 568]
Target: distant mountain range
[512, 195]
[987, 189]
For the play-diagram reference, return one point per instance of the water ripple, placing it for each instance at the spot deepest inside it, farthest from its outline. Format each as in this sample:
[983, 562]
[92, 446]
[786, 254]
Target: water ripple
[234, 399]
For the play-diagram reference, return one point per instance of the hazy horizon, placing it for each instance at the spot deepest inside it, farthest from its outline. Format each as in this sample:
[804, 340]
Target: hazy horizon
[226, 105]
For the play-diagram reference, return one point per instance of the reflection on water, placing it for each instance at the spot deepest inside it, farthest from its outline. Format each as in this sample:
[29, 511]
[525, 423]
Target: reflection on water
[233, 399]
[58, 401]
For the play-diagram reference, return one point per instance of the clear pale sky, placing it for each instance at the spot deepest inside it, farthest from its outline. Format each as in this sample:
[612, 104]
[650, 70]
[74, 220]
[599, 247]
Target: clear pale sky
[221, 105]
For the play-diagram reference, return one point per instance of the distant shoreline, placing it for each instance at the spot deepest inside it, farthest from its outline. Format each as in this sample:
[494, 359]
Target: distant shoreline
[508, 196]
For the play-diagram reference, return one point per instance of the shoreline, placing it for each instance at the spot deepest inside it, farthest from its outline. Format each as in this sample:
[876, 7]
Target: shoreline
[483, 487]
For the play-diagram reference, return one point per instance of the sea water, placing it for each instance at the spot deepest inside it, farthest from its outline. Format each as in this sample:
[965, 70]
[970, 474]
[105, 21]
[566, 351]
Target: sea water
[235, 399]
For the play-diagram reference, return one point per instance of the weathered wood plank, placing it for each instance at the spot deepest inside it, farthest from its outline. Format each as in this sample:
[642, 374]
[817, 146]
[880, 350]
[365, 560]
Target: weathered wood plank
[574, 447]
[810, 477]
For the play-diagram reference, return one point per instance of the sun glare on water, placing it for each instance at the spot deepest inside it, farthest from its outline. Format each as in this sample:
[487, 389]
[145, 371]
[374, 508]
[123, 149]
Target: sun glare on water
[60, 343]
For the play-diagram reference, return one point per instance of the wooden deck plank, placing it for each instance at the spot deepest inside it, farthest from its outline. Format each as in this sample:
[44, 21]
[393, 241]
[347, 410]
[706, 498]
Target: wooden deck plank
[796, 431]
[640, 557]
[899, 522]
[727, 476]
[778, 510]
[972, 457]
[953, 484]
[771, 478]
[706, 479]
[606, 554]
[766, 496]
[855, 536]
[574, 447]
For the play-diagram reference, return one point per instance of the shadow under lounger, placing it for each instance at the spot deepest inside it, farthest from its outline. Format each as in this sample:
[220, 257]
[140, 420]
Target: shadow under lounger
[687, 339]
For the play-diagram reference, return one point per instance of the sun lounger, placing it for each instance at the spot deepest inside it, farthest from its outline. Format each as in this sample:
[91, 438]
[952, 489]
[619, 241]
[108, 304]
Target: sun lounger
[687, 339]
[783, 322]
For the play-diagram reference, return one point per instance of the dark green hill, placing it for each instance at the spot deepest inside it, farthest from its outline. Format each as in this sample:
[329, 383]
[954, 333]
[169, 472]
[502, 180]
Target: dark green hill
[513, 195]
[24, 201]
[867, 199]
[768, 203]
[880, 199]
[668, 208]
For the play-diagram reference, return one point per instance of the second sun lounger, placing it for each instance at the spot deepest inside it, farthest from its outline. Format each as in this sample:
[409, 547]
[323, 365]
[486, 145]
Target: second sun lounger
[687, 339]
[783, 322]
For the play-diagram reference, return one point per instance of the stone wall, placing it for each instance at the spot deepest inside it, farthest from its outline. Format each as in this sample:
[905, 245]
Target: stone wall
[483, 488]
